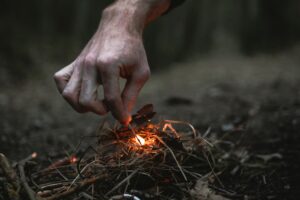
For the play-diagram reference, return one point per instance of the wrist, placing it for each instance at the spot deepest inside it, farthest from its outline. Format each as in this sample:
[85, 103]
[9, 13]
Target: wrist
[133, 15]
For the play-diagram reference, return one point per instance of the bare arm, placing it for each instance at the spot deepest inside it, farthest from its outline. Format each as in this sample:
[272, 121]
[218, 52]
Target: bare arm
[115, 50]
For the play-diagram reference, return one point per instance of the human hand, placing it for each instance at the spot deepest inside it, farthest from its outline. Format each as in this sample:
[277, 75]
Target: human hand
[116, 50]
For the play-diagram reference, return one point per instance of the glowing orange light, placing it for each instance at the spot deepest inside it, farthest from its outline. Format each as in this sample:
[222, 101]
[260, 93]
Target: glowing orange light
[140, 140]
[73, 159]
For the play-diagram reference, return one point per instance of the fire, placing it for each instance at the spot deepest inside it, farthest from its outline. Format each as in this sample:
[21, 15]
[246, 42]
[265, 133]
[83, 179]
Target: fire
[140, 140]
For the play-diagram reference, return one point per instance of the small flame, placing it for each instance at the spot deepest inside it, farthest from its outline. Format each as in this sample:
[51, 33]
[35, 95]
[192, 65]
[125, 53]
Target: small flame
[140, 140]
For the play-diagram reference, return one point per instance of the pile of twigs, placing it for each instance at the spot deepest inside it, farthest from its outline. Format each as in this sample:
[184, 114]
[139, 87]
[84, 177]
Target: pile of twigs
[144, 161]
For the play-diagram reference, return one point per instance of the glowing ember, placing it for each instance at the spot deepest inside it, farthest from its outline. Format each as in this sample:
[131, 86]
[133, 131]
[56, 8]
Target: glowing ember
[34, 155]
[73, 159]
[140, 140]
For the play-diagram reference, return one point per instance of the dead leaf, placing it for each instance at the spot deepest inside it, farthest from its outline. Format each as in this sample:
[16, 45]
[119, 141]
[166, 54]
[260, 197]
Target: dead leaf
[144, 114]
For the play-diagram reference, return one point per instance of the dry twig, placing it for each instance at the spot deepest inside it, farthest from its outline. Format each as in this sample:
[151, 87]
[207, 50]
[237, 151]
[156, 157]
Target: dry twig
[77, 188]
[31, 194]
[13, 183]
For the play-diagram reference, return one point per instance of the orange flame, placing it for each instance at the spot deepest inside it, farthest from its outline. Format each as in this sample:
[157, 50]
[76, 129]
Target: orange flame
[140, 140]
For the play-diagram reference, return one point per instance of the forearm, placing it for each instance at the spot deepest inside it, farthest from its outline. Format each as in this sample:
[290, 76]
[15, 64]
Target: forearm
[133, 15]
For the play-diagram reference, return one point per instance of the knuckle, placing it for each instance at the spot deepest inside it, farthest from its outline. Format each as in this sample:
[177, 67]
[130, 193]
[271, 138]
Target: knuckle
[80, 61]
[106, 60]
[57, 76]
[68, 95]
[85, 102]
[102, 112]
[89, 60]
[145, 75]
[110, 98]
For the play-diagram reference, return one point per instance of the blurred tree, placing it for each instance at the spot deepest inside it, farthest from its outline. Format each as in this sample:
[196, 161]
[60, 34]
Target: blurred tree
[58, 30]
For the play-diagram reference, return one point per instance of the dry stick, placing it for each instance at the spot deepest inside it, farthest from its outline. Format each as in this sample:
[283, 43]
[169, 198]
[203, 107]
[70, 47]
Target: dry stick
[31, 194]
[55, 165]
[127, 196]
[53, 186]
[93, 190]
[78, 176]
[171, 128]
[182, 122]
[48, 193]
[86, 195]
[178, 165]
[191, 126]
[13, 185]
[77, 188]
[212, 170]
[128, 182]
[122, 182]
[58, 171]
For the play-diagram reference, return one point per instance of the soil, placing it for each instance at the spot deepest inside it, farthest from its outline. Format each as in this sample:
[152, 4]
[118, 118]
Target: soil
[253, 104]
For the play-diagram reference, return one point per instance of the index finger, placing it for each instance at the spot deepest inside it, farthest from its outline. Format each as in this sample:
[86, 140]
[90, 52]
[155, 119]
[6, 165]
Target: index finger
[62, 77]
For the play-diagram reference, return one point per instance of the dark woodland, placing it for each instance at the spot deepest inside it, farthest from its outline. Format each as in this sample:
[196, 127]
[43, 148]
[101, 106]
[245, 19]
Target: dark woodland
[229, 68]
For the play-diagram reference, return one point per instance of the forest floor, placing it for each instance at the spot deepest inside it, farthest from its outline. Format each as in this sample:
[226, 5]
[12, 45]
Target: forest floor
[251, 102]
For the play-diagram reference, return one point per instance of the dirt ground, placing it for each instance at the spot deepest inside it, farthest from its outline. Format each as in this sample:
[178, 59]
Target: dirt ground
[252, 103]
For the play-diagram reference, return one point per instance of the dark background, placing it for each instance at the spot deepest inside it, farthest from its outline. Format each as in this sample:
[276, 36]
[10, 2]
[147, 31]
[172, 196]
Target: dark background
[57, 30]
[233, 66]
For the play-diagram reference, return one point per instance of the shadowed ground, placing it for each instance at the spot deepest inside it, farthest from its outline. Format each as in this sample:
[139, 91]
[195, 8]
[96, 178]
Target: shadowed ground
[254, 102]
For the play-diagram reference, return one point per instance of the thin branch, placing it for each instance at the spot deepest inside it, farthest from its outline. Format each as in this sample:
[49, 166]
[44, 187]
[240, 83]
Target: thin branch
[122, 182]
[77, 188]
[178, 165]
[31, 194]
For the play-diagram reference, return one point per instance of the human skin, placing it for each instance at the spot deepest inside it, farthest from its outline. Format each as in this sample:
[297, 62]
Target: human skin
[115, 51]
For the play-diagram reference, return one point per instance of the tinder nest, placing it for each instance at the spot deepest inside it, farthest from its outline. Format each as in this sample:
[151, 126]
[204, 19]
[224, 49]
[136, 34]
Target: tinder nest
[146, 160]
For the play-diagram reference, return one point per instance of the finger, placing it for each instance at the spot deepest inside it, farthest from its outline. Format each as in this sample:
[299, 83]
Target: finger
[133, 87]
[88, 93]
[130, 93]
[72, 89]
[62, 77]
[112, 95]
